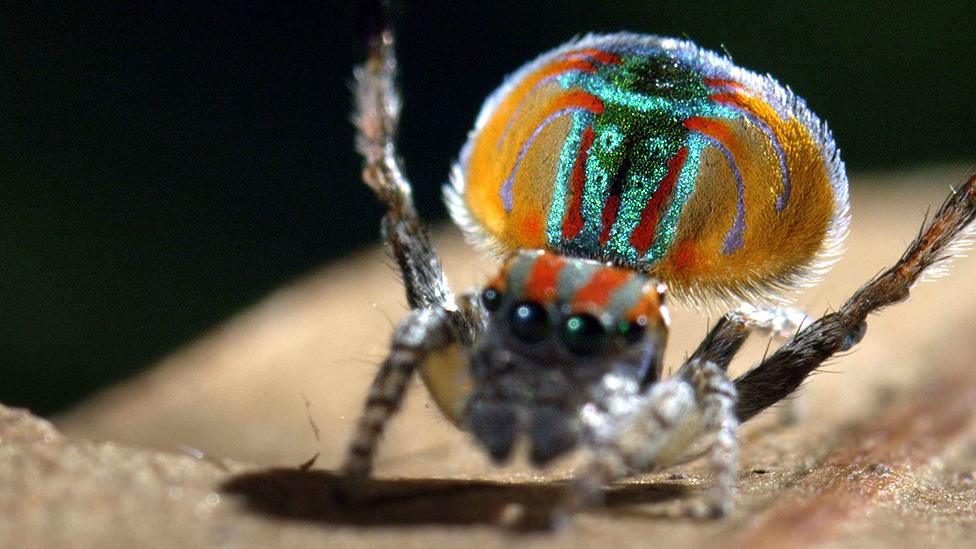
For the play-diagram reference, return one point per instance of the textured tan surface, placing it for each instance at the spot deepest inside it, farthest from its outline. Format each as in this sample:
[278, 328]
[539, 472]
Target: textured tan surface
[884, 455]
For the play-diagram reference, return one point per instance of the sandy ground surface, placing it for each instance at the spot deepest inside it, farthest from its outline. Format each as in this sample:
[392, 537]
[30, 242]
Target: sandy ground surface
[205, 447]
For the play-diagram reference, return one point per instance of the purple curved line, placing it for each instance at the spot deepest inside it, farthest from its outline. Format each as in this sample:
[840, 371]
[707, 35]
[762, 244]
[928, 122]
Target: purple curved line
[734, 239]
[784, 197]
[546, 80]
[507, 190]
[511, 119]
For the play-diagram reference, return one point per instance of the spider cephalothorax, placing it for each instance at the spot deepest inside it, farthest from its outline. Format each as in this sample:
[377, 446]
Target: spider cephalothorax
[603, 172]
[557, 328]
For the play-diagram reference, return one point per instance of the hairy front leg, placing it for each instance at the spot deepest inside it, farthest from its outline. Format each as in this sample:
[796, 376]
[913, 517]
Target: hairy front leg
[662, 423]
[422, 332]
[727, 336]
[667, 424]
[716, 397]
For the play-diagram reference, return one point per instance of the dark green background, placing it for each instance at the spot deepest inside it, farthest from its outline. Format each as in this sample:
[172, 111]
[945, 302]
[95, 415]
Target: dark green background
[164, 164]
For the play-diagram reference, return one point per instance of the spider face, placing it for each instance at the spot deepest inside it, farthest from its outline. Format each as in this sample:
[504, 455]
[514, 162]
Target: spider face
[556, 328]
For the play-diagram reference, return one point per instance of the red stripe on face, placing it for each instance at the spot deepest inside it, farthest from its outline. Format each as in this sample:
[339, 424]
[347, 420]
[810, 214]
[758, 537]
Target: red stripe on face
[573, 223]
[643, 235]
[542, 283]
[598, 291]
[609, 216]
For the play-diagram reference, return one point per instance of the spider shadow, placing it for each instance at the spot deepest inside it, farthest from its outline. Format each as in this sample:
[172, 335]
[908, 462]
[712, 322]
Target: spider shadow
[324, 497]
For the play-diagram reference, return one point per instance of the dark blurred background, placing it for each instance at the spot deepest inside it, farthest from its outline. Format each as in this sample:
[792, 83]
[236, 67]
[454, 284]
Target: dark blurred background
[164, 165]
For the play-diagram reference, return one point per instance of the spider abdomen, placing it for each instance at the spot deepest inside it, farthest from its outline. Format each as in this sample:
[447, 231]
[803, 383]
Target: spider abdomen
[655, 154]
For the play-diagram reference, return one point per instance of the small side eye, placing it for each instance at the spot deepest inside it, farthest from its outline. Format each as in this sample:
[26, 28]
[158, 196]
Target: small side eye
[491, 299]
[584, 334]
[529, 322]
[632, 332]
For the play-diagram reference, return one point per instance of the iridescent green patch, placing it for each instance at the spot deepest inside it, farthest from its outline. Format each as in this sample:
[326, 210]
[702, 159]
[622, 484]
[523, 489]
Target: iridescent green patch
[646, 100]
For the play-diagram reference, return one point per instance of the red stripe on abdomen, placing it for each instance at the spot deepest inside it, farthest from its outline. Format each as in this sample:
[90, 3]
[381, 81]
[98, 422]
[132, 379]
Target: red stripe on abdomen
[719, 83]
[713, 128]
[574, 100]
[573, 223]
[601, 56]
[643, 236]
[609, 216]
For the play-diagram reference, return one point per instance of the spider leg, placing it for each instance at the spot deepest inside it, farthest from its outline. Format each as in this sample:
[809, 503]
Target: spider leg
[670, 419]
[716, 397]
[727, 336]
[628, 442]
[420, 333]
[376, 116]
[435, 320]
[720, 345]
[781, 323]
[783, 371]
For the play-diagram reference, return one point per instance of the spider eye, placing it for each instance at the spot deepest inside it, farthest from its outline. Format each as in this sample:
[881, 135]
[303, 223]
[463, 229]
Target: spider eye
[491, 299]
[529, 322]
[632, 332]
[584, 334]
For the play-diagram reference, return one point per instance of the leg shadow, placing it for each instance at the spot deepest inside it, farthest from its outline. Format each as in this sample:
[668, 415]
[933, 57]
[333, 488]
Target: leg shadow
[324, 496]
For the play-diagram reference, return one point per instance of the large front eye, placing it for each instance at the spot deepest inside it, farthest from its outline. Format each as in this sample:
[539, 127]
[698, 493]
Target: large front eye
[529, 322]
[584, 334]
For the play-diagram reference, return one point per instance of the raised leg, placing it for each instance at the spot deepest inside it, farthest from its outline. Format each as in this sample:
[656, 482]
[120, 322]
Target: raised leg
[423, 331]
[435, 320]
[783, 371]
[376, 116]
